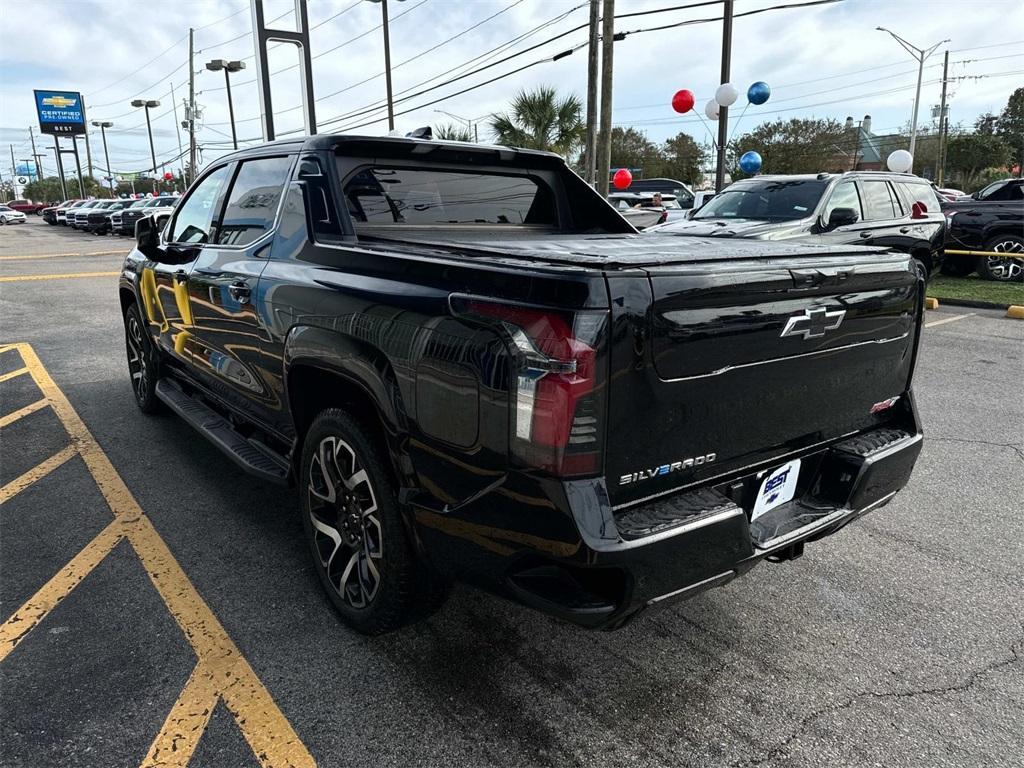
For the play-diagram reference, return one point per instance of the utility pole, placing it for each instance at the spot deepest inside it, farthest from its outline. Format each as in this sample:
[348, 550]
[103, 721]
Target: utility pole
[88, 150]
[39, 167]
[190, 112]
[723, 112]
[604, 148]
[590, 156]
[387, 65]
[940, 163]
[14, 168]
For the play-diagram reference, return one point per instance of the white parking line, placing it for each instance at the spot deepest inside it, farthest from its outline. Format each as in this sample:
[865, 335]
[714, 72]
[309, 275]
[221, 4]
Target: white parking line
[944, 320]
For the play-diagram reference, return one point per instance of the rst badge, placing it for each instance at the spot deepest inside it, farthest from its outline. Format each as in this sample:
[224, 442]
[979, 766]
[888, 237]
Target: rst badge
[777, 488]
[813, 323]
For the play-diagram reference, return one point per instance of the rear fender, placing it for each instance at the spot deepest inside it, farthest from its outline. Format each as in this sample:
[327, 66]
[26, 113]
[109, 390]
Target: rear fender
[358, 364]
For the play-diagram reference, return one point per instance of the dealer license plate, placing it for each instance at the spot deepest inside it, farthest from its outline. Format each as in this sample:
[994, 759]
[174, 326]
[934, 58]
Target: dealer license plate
[777, 488]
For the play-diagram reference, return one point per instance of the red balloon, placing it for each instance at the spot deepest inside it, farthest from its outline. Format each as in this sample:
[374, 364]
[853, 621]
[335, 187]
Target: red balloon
[168, 176]
[682, 101]
[622, 178]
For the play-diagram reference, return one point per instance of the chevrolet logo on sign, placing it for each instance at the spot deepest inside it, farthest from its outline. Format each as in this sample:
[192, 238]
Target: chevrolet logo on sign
[59, 101]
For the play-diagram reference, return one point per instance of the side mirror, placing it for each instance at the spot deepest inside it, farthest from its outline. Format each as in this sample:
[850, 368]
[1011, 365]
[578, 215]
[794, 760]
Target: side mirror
[147, 234]
[840, 217]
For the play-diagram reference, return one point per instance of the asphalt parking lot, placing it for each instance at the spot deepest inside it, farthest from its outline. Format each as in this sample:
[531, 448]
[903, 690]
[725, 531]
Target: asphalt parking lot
[159, 607]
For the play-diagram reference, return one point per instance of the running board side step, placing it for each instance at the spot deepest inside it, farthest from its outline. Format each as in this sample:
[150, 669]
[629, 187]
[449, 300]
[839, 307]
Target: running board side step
[253, 459]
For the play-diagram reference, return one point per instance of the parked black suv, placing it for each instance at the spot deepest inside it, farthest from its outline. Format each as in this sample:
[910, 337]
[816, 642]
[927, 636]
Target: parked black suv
[892, 210]
[472, 367]
[990, 220]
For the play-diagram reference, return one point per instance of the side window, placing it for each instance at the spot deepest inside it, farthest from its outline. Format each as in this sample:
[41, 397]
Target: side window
[878, 202]
[253, 201]
[844, 196]
[1016, 192]
[195, 215]
[920, 193]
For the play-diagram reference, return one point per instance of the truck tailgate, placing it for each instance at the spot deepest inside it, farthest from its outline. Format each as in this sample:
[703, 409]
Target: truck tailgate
[724, 366]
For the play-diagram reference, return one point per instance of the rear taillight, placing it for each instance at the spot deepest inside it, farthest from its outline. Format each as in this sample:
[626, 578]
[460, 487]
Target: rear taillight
[558, 397]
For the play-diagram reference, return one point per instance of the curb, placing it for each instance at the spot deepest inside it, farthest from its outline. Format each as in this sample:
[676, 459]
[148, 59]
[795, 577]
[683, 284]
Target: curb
[973, 304]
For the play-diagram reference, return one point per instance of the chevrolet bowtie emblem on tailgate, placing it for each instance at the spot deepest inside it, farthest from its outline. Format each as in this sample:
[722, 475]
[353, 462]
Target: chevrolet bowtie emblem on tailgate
[813, 323]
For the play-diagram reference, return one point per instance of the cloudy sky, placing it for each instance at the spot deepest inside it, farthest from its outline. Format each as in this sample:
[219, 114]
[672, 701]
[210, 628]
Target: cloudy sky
[823, 61]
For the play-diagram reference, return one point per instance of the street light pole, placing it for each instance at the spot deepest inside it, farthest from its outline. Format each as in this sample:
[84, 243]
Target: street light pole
[148, 105]
[103, 125]
[920, 54]
[228, 67]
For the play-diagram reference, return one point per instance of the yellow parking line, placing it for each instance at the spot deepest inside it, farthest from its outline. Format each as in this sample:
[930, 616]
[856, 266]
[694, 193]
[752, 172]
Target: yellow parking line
[12, 374]
[18, 278]
[945, 320]
[187, 721]
[59, 255]
[10, 418]
[38, 606]
[221, 664]
[39, 471]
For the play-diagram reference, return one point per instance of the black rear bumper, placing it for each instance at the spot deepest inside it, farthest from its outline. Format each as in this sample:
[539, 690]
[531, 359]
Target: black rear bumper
[602, 567]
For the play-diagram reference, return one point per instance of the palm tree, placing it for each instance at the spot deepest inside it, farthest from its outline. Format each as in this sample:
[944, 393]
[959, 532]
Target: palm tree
[450, 132]
[540, 120]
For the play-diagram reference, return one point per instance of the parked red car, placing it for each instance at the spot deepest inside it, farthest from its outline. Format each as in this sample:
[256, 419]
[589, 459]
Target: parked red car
[27, 207]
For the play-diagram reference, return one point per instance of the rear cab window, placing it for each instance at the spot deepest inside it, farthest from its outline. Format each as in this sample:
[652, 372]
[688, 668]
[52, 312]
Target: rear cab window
[880, 203]
[402, 197]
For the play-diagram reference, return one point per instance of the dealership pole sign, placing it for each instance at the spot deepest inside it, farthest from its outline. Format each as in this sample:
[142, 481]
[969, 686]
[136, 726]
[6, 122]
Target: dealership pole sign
[60, 112]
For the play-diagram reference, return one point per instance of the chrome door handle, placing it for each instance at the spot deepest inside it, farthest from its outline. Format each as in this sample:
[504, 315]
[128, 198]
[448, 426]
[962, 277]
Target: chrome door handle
[904, 230]
[865, 234]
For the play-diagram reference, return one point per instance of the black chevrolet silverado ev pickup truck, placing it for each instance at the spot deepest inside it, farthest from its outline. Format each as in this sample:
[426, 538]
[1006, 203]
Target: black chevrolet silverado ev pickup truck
[473, 368]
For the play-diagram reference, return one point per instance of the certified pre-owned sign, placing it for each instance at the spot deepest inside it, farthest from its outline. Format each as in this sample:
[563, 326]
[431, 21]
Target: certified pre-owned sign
[60, 112]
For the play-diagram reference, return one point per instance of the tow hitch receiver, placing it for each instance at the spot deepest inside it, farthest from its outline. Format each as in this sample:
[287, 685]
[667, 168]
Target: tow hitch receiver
[792, 552]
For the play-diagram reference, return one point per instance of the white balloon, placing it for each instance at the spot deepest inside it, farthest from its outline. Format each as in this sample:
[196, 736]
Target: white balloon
[711, 109]
[726, 94]
[900, 161]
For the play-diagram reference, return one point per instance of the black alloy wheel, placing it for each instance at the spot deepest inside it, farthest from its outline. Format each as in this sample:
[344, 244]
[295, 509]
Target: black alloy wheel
[142, 362]
[1004, 270]
[352, 521]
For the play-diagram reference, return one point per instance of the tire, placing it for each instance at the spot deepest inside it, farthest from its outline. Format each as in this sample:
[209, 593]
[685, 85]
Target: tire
[143, 362]
[3, 221]
[1003, 270]
[352, 520]
[959, 266]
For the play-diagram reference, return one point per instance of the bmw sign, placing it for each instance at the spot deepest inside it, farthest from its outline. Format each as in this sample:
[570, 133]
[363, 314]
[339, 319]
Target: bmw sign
[60, 112]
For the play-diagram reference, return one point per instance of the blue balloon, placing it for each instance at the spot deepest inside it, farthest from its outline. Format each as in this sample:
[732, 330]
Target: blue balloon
[759, 92]
[750, 162]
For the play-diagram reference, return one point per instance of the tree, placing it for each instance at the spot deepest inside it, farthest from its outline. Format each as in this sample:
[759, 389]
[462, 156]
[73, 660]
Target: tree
[798, 145]
[684, 159]
[986, 124]
[48, 189]
[969, 154]
[1010, 127]
[632, 149]
[539, 119]
[450, 132]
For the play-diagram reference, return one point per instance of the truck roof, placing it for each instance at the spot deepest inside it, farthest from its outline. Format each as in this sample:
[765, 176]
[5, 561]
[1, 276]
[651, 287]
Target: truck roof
[402, 146]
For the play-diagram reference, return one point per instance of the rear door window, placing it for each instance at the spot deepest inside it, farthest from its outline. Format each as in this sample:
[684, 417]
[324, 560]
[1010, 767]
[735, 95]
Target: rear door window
[398, 196]
[878, 201]
[253, 201]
